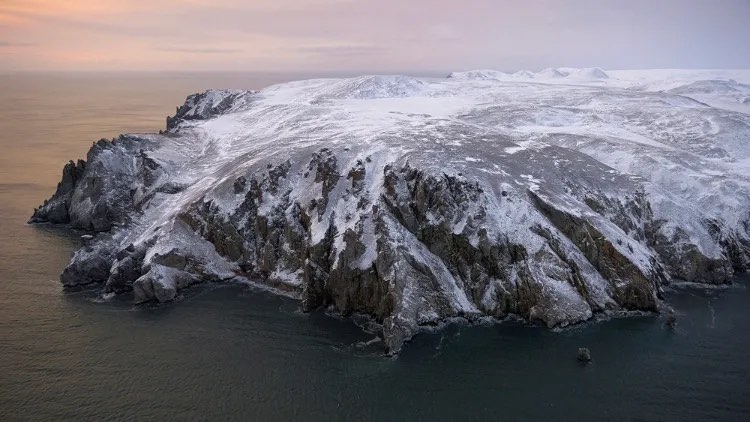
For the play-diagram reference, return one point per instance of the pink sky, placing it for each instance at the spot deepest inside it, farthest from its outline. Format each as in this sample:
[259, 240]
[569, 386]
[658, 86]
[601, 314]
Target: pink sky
[371, 35]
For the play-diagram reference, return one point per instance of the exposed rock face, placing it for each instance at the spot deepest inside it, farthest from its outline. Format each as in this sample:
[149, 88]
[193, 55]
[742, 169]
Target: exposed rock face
[209, 104]
[414, 201]
[56, 209]
[96, 193]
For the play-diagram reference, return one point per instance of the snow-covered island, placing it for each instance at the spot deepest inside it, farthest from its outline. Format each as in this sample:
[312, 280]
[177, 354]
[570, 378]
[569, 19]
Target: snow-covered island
[550, 196]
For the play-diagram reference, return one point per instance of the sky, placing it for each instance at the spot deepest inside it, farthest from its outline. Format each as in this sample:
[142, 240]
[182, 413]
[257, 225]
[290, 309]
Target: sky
[371, 35]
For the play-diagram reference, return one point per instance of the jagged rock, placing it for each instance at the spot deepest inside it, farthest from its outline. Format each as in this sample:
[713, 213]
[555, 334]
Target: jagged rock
[416, 201]
[90, 264]
[56, 209]
[161, 283]
[96, 194]
[209, 104]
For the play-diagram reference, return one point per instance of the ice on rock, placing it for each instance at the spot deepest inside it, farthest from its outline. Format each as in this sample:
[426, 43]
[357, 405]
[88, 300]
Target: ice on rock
[551, 73]
[551, 195]
[485, 74]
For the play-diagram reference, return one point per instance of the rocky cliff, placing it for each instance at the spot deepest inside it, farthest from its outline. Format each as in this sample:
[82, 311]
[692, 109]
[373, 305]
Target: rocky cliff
[418, 200]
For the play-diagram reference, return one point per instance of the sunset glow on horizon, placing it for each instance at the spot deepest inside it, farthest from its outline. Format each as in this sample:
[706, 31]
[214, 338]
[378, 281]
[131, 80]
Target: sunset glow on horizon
[370, 36]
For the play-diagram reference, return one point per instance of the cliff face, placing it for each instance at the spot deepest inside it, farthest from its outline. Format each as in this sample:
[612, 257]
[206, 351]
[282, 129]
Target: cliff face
[413, 200]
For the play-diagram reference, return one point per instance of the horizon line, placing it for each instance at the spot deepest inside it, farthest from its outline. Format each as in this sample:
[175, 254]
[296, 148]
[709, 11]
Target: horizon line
[339, 72]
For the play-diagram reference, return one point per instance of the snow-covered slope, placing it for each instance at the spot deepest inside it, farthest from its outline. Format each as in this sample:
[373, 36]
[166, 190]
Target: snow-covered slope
[551, 195]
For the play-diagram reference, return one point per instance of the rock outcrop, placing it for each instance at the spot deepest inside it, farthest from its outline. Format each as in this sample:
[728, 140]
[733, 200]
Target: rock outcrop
[417, 201]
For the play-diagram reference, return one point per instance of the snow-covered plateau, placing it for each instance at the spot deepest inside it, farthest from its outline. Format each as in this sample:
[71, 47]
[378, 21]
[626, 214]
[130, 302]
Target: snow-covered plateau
[550, 196]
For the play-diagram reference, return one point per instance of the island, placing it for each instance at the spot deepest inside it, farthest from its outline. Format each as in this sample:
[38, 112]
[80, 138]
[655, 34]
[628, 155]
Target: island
[549, 196]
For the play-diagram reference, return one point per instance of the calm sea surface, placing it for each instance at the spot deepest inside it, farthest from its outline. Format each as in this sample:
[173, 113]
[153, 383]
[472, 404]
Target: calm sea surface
[229, 352]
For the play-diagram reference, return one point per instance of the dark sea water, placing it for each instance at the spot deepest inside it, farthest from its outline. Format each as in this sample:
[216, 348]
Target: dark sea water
[230, 352]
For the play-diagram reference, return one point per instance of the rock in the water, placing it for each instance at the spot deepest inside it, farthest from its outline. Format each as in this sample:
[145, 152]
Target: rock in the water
[414, 201]
[671, 320]
[584, 355]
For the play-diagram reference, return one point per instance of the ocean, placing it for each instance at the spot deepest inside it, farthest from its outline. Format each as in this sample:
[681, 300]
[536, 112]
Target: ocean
[234, 352]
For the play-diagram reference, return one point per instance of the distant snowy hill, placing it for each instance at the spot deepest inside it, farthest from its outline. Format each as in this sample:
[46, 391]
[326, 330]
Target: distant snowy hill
[566, 73]
[550, 195]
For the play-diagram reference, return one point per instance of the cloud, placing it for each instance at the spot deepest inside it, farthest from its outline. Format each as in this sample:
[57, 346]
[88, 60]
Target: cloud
[373, 35]
[205, 50]
[16, 44]
[339, 51]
